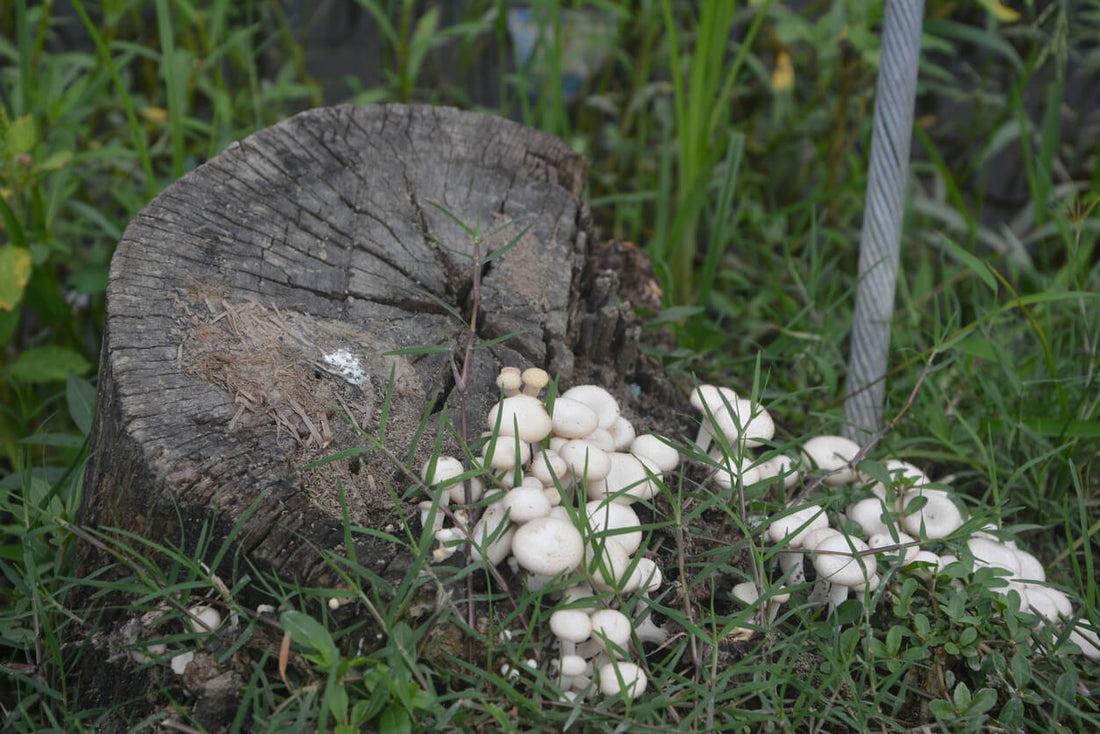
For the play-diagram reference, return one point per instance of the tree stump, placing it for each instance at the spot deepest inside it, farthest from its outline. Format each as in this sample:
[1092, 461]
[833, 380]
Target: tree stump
[255, 306]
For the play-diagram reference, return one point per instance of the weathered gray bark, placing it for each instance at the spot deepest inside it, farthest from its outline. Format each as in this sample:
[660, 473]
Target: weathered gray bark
[324, 233]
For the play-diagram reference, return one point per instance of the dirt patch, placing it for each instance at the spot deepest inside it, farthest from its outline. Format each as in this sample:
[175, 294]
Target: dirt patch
[320, 384]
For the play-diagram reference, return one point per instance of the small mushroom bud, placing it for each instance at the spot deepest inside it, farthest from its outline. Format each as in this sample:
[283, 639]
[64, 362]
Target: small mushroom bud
[509, 381]
[534, 379]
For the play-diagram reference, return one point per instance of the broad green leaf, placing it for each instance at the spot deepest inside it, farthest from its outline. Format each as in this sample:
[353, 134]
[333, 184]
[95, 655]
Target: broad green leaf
[15, 271]
[48, 363]
[21, 135]
[394, 720]
[308, 632]
[984, 699]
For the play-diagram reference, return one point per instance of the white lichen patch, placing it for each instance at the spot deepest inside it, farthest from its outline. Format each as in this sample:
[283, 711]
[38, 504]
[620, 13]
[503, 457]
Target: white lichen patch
[346, 365]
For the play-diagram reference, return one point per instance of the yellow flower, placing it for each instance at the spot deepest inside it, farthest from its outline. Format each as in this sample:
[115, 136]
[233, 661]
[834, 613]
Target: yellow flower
[783, 76]
[155, 114]
[1001, 12]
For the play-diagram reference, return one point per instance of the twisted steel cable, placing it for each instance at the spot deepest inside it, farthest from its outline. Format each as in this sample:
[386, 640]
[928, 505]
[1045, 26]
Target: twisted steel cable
[880, 240]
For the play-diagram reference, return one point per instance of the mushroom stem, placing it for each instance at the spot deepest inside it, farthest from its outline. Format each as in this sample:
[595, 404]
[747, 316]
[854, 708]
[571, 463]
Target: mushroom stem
[838, 593]
[790, 562]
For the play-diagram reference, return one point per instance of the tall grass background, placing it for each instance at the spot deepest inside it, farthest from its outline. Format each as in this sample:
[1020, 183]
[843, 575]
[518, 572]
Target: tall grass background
[730, 140]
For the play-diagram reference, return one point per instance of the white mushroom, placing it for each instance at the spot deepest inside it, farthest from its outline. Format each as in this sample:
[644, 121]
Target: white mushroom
[1086, 639]
[598, 399]
[548, 546]
[938, 518]
[780, 466]
[709, 400]
[526, 503]
[203, 619]
[523, 416]
[648, 446]
[611, 631]
[493, 533]
[837, 563]
[868, 513]
[509, 381]
[791, 529]
[586, 462]
[607, 519]
[622, 434]
[534, 379]
[627, 480]
[626, 678]
[573, 419]
[507, 453]
[833, 455]
[607, 564]
[908, 547]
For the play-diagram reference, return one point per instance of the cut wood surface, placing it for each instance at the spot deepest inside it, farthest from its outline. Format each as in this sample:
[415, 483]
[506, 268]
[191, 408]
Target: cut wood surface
[255, 305]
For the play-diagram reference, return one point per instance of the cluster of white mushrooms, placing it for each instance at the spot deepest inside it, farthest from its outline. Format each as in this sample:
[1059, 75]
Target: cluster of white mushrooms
[894, 521]
[540, 460]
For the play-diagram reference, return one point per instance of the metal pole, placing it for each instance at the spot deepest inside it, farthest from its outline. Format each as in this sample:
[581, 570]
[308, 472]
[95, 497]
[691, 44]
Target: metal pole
[880, 241]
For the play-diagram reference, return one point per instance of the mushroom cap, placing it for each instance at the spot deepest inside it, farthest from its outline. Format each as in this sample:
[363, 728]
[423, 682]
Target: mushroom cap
[780, 465]
[203, 619]
[811, 539]
[743, 422]
[628, 479]
[618, 677]
[571, 625]
[832, 454]
[794, 525]
[525, 412]
[602, 439]
[605, 515]
[731, 471]
[886, 540]
[937, 519]
[598, 399]
[903, 475]
[492, 535]
[867, 513]
[1087, 640]
[504, 452]
[547, 545]
[835, 563]
[1047, 603]
[547, 465]
[446, 469]
[992, 554]
[622, 433]
[1031, 568]
[916, 564]
[652, 447]
[612, 628]
[526, 503]
[746, 593]
[712, 398]
[572, 665]
[509, 380]
[584, 460]
[573, 419]
[607, 564]
[534, 379]
[458, 491]
[646, 575]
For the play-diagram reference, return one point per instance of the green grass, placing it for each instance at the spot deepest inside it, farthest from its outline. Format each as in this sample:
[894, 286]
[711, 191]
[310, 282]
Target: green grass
[749, 198]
